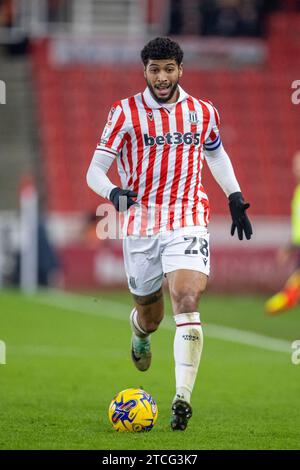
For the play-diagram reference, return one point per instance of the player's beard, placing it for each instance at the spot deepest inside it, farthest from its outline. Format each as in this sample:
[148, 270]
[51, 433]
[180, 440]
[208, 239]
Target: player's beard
[173, 89]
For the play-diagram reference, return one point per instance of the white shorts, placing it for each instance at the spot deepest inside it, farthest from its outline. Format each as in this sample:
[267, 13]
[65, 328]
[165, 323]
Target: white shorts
[147, 259]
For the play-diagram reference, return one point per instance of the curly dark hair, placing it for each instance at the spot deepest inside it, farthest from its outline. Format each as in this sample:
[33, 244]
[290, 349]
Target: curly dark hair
[162, 48]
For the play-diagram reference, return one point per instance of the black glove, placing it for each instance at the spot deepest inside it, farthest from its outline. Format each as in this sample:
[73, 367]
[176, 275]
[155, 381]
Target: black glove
[117, 192]
[240, 220]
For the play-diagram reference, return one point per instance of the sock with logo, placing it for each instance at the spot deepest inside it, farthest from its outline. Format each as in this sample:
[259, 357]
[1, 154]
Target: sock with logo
[188, 344]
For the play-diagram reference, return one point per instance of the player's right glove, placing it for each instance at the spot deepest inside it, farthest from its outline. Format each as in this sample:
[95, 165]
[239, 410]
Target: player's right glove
[240, 220]
[126, 195]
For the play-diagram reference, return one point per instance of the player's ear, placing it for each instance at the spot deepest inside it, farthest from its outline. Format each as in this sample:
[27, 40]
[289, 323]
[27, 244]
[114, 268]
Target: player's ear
[180, 69]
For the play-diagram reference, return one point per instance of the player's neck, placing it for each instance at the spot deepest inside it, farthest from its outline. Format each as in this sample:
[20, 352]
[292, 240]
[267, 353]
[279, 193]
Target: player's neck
[174, 98]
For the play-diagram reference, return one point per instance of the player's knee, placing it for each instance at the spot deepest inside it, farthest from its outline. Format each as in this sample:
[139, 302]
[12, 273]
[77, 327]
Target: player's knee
[186, 299]
[188, 303]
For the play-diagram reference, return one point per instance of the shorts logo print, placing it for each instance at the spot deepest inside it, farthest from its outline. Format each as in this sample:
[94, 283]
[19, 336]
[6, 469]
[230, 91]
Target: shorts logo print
[132, 282]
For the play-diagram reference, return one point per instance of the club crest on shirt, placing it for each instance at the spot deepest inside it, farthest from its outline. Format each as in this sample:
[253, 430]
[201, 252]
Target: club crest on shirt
[193, 117]
[150, 115]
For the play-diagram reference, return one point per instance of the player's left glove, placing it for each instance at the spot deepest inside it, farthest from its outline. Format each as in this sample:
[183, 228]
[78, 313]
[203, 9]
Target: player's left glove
[240, 220]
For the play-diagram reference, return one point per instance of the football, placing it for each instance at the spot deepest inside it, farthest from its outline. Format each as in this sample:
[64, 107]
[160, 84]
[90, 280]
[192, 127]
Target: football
[133, 410]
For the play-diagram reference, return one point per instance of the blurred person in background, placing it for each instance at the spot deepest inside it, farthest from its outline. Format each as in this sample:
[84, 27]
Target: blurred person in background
[88, 233]
[93, 233]
[58, 10]
[159, 138]
[19, 45]
[289, 296]
[49, 272]
[6, 13]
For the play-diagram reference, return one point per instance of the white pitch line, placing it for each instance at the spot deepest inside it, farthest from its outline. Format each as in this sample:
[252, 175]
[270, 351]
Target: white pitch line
[58, 351]
[48, 350]
[113, 309]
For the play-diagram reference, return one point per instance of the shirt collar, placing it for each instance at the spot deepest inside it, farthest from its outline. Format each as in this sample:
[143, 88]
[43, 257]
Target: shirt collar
[152, 103]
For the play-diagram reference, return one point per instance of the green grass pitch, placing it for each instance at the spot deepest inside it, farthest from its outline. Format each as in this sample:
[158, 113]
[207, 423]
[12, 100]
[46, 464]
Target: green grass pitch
[67, 355]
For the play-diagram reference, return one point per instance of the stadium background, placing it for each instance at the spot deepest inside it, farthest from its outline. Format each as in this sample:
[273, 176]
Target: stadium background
[64, 62]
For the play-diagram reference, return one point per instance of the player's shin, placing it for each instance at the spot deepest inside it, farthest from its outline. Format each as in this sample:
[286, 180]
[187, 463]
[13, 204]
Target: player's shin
[188, 344]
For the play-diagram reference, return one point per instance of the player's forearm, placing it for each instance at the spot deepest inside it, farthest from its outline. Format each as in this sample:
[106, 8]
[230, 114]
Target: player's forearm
[96, 176]
[221, 168]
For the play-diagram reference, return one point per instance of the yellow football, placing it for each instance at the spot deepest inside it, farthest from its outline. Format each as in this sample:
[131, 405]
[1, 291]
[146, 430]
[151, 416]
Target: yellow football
[133, 410]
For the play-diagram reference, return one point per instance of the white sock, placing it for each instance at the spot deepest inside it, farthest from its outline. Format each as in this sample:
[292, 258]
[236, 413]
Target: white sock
[188, 344]
[136, 329]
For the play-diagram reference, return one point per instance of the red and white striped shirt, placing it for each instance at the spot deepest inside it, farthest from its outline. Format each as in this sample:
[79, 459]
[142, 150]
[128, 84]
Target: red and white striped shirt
[159, 152]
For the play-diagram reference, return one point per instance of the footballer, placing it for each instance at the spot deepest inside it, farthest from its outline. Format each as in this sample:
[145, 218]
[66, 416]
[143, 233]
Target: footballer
[160, 138]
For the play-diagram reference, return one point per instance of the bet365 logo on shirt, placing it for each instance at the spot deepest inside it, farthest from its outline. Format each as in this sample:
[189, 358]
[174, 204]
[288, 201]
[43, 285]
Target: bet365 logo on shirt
[175, 138]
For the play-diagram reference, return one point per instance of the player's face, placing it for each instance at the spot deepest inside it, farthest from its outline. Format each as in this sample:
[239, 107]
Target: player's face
[162, 77]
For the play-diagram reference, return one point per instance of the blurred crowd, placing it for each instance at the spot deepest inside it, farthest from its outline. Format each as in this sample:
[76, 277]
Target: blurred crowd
[229, 18]
[56, 11]
[193, 17]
